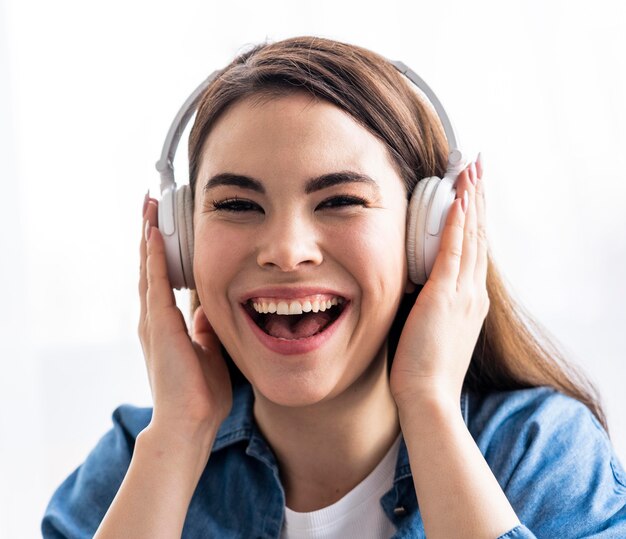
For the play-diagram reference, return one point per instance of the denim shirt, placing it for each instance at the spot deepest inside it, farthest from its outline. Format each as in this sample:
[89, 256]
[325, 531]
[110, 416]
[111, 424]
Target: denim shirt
[550, 455]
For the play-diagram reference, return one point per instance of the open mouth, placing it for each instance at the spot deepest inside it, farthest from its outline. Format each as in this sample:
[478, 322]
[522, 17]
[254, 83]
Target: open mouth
[295, 326]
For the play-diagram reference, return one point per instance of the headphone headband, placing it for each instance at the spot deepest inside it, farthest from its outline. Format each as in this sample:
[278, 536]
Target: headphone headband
[448, 128]
[165, 165]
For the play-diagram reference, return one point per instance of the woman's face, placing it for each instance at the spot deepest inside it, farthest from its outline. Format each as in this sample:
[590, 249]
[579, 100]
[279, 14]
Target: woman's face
[295, 202]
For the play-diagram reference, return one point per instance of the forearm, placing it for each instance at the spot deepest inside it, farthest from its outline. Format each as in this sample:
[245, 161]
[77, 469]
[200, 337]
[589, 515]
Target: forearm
[154, 497]
[458, 495]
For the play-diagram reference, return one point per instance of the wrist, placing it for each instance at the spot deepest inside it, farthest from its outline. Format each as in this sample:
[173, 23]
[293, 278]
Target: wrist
[185, 429]
[183, 444]
[431, 406]
[430, 395]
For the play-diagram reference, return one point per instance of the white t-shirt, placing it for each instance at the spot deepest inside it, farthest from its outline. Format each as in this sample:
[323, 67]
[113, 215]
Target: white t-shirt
[358, 515]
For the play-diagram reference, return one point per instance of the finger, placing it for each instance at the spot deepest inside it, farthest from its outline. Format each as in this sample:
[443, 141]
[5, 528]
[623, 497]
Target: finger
[480, 272]
[479, 165]
[159, 295]
[470, 248]
[446, 268]
[143, 283]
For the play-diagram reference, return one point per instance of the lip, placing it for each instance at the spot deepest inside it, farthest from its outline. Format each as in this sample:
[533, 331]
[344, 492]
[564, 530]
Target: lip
[281, 292]
[296, 346]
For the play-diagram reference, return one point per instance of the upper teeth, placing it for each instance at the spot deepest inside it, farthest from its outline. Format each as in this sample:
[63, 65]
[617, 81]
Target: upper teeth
[295, 306]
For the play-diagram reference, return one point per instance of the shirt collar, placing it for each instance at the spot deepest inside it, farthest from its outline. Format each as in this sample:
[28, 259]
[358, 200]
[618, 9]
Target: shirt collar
[240, 422]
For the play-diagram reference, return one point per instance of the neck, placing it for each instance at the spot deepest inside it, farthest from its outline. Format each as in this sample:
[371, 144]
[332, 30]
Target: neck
[325, 450]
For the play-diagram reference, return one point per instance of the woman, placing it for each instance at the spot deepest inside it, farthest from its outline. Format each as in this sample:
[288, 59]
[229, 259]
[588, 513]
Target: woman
[322, 393]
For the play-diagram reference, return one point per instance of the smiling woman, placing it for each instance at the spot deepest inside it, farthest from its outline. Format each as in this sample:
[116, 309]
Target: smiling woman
[332, 379]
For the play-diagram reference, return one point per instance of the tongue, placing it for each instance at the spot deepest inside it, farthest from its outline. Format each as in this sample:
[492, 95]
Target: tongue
[282, 326]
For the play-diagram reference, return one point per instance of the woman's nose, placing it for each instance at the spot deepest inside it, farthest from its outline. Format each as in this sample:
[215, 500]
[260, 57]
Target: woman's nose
[289, 243]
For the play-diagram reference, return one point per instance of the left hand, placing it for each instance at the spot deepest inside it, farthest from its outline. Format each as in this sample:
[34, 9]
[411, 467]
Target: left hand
[441, 331]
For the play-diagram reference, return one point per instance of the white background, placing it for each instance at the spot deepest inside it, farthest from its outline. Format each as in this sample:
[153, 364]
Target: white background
[89, 90]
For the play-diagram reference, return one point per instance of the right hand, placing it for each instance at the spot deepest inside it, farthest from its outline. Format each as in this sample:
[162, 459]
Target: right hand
[188, 376]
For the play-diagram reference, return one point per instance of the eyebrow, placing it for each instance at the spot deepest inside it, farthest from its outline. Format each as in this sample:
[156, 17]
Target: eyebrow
[313, 184]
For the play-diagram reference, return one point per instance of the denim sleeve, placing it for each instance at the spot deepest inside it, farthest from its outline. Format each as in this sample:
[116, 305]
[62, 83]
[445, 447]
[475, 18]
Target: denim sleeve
[79, 504]
[554, 462]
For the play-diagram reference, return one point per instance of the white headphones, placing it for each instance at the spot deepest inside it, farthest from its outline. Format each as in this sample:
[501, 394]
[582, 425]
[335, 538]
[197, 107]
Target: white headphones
[428, 209]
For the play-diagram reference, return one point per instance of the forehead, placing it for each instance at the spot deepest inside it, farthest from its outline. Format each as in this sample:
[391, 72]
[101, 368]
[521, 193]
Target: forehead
[295, 136]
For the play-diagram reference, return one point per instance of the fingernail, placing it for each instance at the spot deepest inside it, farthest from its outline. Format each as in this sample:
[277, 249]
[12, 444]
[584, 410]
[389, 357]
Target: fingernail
[145, 203]
[473, 174]
[479, 165]
[465, 202]
[148, 229]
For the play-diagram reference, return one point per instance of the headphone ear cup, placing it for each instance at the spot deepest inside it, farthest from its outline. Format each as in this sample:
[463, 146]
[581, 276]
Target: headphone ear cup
[184, 208]
[416, 228]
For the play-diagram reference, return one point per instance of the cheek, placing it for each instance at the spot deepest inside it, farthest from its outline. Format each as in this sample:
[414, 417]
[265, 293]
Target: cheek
[211, 239]
[377, 246]
[218, 256]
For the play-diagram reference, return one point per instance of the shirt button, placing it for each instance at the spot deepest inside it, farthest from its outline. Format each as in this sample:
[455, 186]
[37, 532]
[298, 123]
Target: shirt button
[399, 511]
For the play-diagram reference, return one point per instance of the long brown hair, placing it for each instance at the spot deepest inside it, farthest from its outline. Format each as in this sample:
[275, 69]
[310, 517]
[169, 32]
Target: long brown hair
[513, 350]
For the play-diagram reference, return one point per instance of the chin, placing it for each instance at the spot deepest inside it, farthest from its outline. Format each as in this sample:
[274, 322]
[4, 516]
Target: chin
[294, 391]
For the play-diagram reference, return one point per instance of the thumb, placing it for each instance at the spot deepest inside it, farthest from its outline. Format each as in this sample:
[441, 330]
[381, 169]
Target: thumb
[202, 331]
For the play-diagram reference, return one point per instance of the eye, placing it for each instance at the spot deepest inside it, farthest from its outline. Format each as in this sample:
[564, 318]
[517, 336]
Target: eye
[236, 205]
[342, 201]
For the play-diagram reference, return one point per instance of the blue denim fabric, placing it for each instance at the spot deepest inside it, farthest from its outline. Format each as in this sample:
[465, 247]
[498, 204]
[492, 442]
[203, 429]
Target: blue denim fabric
[550, 455]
